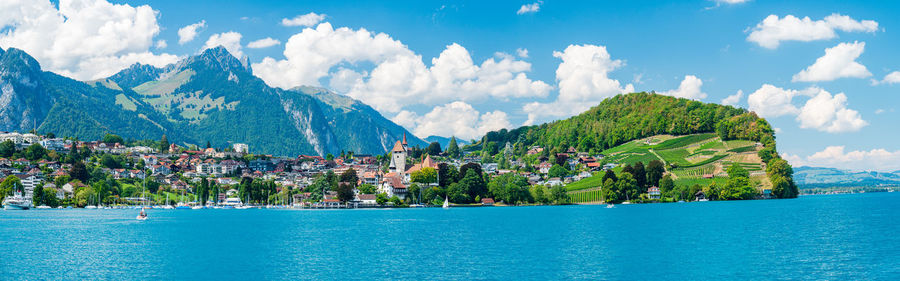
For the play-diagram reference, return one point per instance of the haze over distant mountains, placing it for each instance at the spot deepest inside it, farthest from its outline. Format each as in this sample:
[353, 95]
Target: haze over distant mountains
[211, 97]
[810, 177]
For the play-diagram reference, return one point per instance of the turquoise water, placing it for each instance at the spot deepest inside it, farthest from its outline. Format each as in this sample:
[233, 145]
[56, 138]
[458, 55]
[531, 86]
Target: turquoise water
[844, 237]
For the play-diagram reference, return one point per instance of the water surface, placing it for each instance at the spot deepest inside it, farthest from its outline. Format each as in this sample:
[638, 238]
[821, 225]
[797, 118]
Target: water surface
[846, 237]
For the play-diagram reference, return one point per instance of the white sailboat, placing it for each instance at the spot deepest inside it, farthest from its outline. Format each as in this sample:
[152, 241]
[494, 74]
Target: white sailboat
[143, 214]
[446, 203]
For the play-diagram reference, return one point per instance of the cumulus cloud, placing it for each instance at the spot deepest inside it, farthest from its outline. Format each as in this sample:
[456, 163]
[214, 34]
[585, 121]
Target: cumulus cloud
[453, 119]
[828, 113]
[769, 101]
[689, 89]
[584, 81]
[773, 30]
[890, 78]
[838, 62]
[82, 39]
[304, 20]
[530, 8]
[189, 32]
[399, 76]
[230, 40]
[878, 159]
[161, 44]
[263, 43]
[733, 100]
[522, 52]
[822, 111]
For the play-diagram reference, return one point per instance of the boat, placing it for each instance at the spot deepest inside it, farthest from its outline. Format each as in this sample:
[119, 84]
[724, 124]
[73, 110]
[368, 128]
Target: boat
[43, 207]
[196, 207]
[142, 216]
[167, 206]
[16, 202]
[90, 207]
[609, 206]
[446, 203]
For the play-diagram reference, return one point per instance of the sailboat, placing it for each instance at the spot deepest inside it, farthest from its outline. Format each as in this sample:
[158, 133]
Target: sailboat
[167, 206]
[446, 203]
[143, 214]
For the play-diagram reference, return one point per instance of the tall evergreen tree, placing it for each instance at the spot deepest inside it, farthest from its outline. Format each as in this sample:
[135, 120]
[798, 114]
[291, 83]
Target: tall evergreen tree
[163, 143]
[453, 148]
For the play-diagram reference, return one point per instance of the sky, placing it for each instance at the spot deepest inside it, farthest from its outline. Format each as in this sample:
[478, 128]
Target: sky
[823, 73]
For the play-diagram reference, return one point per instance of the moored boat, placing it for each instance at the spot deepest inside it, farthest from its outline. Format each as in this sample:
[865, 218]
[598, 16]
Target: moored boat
[16, 202]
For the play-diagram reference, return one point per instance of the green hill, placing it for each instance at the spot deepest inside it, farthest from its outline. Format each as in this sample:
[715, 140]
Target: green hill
[696, 141]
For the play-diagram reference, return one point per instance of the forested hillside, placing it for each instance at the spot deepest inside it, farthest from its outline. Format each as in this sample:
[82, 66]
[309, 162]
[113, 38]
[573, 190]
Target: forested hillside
[625, 118]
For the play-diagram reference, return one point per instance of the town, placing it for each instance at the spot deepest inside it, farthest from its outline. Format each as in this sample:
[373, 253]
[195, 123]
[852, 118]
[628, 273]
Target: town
[45, 171]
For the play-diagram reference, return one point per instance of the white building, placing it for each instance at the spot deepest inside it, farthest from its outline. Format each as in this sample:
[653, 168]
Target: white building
[398, 157]
[241, 148]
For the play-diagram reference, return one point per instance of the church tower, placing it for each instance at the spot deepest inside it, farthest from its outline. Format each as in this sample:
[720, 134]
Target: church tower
[398, 157]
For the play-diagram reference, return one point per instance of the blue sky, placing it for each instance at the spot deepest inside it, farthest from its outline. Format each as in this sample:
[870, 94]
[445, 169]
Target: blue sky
[706, 47]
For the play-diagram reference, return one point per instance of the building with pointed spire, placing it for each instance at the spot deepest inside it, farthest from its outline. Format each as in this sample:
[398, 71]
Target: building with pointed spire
[398, 156]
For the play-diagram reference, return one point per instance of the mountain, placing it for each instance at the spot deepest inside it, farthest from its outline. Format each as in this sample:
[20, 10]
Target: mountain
[444, 141]
[812, 177]
[209, 97]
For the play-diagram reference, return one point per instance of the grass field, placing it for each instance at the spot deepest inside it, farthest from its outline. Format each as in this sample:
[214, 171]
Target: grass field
[588, 183]
[683, 141]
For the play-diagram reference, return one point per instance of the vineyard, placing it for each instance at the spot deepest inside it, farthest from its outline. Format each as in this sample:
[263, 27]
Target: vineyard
[585, 196]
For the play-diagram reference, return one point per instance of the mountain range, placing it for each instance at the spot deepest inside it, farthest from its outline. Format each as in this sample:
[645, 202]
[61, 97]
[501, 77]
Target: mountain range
[812, 177]
[211, 97]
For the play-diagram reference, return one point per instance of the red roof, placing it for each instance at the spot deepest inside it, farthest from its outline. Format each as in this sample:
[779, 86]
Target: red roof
[487, 200]
[332, 200]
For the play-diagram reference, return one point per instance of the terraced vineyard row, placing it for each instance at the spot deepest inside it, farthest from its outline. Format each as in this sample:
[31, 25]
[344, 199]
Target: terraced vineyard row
[586, 196]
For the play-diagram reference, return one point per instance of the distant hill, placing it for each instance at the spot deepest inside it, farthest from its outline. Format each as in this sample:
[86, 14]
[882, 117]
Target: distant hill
[444, 141]
[816, 177]
[209, 97]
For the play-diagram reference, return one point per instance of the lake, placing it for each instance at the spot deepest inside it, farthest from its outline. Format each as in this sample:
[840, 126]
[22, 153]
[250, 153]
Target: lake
[845, 237]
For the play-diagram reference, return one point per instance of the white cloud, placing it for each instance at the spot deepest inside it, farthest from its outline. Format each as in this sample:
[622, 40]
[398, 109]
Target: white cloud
[530, 8]
[304, 20]
[879, 111]
[828, 113]
[230, 40]
[453, 119]
[399, 76]
[836, 157]
[769, 101]
[161, 44]
[822, 111]
[890, 78]
[189, 32]
[733, 100]
[583, 82]
[773, 30]
[838, 62]
[689, 89]
[263, 43]
[82, 39]
[522, 52]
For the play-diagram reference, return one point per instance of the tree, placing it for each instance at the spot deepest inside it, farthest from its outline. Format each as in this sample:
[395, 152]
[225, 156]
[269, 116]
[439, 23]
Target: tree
[627, 186]
[782, 188]
[610, 191]
[447, 174]
[666, 184]
[655, 171]
[7, 148]
[458, 193]
[453, 148]
[110, 162]
[349, 176]
[736, 171]
[366, 189]
[345, 192]
[425, 175]
[329, 157]
[434, 148]
[396, 200]
[110, 138]
[203, 191]
[738, 188]
[38, 195]
[12, 184]
[474, 184]
[464, 169]
[163, 143]
[35, 152]
[557, 171]
[640, 175]
[610, 175]
[381, 198]
[79, 172]
[559, 195]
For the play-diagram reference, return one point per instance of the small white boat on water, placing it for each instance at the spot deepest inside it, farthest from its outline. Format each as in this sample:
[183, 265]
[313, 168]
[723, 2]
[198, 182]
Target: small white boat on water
[16, 202]
[142, 216]
[446, 203]
[43, 207]
[610, 206]
[90, 207]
